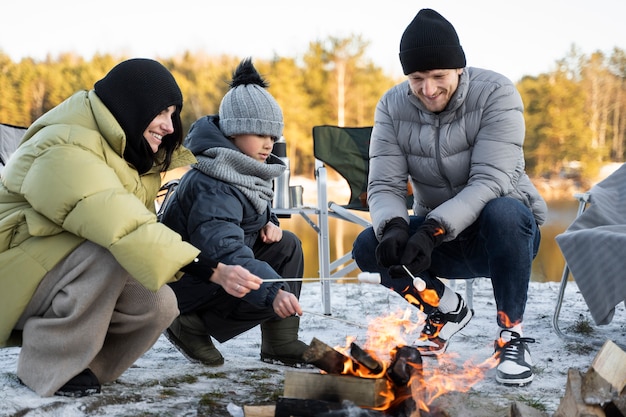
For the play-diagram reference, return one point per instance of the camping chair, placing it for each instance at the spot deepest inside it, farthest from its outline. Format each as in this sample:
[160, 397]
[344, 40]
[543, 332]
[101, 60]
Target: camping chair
[10, 138]
[346, 150]
[594, 247]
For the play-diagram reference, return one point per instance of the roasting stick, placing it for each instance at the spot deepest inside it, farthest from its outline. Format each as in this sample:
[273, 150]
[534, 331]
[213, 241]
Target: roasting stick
[363, 277]
[351, 323]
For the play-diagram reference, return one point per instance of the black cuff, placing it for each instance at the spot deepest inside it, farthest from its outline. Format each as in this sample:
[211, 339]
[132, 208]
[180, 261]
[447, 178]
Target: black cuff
[201, 267]
[396, 223]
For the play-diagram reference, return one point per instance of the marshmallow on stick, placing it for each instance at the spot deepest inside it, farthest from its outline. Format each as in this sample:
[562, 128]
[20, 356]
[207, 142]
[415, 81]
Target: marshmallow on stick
[418, 283]
[369, 277]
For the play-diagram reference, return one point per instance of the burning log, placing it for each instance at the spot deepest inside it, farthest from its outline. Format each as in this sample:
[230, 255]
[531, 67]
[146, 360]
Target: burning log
[406, 373]
[365, 359]
[332, 361]
[406, 364]
[360, 378]
[364, 392]
[324, 357]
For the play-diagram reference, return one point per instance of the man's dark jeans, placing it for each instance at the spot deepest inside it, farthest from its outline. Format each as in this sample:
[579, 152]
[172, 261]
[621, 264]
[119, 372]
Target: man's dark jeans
[500, 245]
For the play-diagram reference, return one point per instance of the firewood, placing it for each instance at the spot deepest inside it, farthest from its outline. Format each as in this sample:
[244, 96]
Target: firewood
[620, 403]
[364, 392]
[297, 407]
[572, 404]
[365, 359]
[259, 410]
[325, 357]
[606, 377]
[518, 409]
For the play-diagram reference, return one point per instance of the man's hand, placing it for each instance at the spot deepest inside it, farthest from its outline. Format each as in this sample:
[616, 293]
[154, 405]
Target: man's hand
[270, 233]
[391, 246]
[419, 248]
[235, 279]
[286, 304]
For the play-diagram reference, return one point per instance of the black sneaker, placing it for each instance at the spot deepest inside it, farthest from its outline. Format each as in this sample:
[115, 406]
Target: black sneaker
[440, 327]
[515, 363]
[83, 384]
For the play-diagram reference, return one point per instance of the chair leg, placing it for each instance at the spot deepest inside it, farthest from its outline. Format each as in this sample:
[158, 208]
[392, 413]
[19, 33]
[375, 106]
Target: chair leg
[583, 199]
[557, 310]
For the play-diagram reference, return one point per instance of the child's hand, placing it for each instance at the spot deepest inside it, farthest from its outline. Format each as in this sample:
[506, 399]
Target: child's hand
[271, 233]
[286, 304]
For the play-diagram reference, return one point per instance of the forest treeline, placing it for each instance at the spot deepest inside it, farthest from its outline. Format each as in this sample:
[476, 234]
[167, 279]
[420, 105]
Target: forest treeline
[575, 115]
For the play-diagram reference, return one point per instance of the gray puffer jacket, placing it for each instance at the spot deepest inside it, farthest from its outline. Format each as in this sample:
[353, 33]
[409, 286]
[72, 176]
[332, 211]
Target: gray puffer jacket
[456, 160]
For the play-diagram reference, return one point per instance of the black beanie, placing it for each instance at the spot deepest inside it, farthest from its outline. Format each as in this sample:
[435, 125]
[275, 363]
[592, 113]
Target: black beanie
[430, 42]
[136, 91]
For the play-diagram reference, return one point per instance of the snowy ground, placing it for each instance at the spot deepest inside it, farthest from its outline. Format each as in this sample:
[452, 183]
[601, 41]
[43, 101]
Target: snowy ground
[164, 383]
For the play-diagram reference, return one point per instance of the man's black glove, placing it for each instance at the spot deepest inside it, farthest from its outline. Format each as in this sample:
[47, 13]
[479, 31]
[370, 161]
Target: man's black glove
[416, 256]
[391, 246]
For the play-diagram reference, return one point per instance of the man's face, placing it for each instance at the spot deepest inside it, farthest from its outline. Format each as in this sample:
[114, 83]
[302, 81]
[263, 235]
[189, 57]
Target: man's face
[434, 87]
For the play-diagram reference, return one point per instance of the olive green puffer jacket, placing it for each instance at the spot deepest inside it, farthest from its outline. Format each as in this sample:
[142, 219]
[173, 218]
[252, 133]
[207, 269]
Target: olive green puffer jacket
[68, 182]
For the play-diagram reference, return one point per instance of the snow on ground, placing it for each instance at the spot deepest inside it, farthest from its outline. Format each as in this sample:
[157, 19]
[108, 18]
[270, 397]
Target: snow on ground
[164, 383]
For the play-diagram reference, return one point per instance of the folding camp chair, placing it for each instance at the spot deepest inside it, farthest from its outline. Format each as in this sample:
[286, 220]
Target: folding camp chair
[594, 248]
[10, 138]
[583, 200]
[346, 150]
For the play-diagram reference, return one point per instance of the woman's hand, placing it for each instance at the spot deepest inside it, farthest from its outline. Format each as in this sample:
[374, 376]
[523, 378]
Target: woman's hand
[286, 304]
[235, 279]
[270, 233]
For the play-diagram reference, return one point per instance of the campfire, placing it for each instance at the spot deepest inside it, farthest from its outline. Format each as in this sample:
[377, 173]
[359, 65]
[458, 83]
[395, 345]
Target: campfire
[385, 376]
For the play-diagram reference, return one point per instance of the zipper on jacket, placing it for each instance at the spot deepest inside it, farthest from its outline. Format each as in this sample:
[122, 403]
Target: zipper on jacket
[438, 157]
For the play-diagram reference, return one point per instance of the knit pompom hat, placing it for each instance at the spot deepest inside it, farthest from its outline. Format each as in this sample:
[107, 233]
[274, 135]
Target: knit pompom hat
[430, 42]
[247, 108]
[135, 92]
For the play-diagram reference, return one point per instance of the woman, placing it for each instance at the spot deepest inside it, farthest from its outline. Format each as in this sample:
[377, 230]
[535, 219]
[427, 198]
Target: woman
[83, 261]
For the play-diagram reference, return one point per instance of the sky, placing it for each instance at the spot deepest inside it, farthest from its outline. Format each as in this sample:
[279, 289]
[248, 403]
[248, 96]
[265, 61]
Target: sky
[514, 37]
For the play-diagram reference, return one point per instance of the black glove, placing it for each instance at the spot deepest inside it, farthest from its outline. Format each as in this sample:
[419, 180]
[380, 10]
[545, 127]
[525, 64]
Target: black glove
[391, 246]
[416, 256]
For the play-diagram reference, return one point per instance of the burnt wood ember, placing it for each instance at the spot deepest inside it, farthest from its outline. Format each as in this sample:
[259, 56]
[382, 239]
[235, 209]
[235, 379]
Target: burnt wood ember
[405, 364]
[365, 359]
[405, 371]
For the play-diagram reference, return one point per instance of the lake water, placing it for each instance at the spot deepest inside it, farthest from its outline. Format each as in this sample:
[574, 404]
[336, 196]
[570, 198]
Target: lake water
[548, 265]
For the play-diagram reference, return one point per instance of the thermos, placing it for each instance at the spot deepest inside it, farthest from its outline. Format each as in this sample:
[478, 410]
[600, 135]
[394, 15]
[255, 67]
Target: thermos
[281, 183]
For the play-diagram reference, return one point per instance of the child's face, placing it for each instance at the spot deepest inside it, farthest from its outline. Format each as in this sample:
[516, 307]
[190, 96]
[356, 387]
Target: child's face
[255, 146]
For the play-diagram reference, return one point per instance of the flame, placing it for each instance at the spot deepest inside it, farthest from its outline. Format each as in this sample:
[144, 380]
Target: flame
[506, 321]
[429, 296]
[449, 377]
[430, 380]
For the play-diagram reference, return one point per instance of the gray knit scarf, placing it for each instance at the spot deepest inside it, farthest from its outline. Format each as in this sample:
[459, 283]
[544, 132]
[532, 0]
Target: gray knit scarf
[251, 177]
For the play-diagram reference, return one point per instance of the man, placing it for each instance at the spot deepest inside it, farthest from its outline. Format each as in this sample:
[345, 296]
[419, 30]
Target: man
[456, 133]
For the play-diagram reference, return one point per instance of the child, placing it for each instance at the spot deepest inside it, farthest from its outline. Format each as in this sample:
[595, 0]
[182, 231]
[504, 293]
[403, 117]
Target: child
[222, 206]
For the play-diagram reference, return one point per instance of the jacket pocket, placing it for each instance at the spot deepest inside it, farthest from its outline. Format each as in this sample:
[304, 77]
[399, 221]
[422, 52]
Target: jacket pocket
[13, 230]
